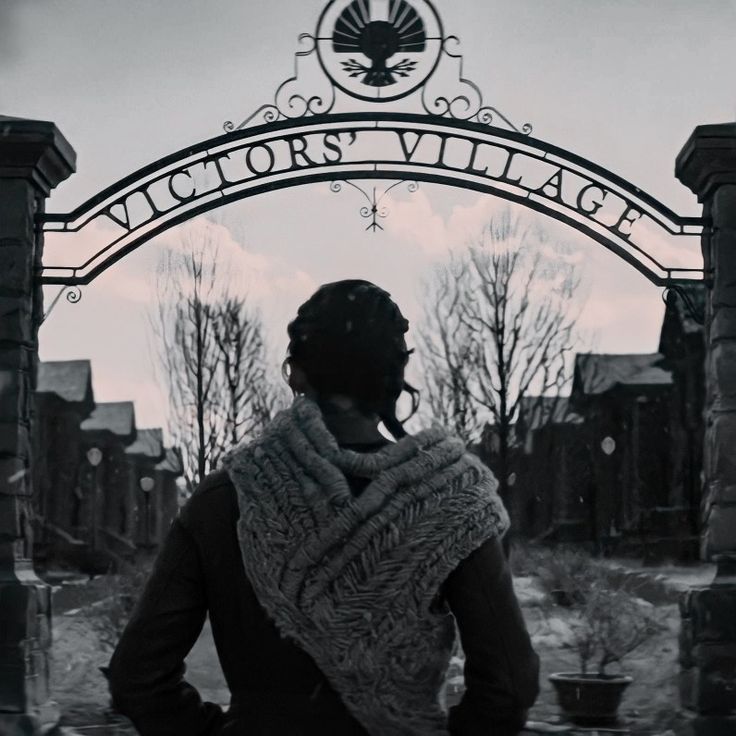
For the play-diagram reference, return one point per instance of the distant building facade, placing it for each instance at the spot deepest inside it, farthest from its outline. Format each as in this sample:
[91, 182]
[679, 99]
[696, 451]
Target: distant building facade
[105, 490]
[617, 464]
[63, 400]
[625, 401]
[551, 465]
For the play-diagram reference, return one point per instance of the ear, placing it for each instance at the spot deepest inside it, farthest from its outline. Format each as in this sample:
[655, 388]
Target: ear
[298, 379]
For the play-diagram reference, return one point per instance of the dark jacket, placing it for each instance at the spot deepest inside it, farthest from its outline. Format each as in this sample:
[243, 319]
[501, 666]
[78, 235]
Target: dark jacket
[276, 687]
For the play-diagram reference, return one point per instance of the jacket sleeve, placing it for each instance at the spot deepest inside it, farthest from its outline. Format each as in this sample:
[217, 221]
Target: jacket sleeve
[501, 668]
[146, 672]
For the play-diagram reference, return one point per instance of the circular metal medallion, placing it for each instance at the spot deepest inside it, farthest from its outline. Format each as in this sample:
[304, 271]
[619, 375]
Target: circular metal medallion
[379, 50]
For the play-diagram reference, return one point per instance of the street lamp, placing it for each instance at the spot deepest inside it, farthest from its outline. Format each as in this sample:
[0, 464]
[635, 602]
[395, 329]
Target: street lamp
[147, 484]
[608, 445]
[94, 458]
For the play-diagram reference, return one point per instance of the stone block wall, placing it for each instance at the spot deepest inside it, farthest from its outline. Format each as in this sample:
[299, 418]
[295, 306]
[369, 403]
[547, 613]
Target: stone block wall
[708, 650]
[707, 165]
[34, 158]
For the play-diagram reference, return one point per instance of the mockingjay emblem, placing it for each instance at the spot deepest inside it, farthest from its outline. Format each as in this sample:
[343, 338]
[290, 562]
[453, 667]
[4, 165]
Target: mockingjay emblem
[403, 31]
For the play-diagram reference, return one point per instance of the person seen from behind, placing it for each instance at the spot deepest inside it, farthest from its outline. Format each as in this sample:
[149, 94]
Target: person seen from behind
[335, 565]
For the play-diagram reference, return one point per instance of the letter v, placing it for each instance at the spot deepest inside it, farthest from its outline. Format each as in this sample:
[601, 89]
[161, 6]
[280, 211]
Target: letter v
[409, 154]
[120, 221]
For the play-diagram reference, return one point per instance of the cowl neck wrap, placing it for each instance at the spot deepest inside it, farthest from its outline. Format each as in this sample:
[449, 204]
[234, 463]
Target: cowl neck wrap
[354, 580]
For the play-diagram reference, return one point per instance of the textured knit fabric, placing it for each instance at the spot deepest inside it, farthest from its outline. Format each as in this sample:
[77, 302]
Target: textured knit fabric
[354, 581]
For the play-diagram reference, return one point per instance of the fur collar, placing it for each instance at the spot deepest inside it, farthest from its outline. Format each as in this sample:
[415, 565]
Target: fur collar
[354, 580]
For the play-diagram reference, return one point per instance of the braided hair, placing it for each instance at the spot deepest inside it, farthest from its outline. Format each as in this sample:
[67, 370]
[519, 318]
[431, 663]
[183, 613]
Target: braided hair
[348, 338]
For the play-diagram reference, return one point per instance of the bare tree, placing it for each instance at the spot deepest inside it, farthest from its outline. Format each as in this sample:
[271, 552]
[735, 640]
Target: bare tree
[499, 330]
[250, 397]
[213, 356]
[184, 330]
[446, 343]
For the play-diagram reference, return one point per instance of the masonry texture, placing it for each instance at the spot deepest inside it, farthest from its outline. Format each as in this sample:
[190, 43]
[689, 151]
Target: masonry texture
[707, 165]
[34, 158]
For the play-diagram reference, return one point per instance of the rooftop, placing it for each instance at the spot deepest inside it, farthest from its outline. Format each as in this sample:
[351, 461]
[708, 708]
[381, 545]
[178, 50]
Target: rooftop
[149, 443]
[70, 380]
[536, 411]
[171, 462]
[117, 417]
[597, 373]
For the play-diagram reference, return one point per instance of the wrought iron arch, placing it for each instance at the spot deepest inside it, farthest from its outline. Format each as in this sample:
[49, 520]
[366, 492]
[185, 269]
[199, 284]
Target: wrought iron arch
[454, 139]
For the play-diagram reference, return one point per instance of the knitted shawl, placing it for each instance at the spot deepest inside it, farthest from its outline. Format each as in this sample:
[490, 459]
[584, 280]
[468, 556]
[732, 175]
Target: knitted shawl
[354, 581]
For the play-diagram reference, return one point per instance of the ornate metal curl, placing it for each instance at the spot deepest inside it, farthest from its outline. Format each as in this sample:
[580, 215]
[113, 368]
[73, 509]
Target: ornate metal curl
[697, 315]
[73, 295]
[290, 105]
[466, 104]
[373, 210]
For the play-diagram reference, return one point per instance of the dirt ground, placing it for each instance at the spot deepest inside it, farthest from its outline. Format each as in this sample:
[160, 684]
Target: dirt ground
[650, 704]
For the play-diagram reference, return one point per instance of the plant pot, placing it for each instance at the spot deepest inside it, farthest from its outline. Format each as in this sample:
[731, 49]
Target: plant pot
[590, 700]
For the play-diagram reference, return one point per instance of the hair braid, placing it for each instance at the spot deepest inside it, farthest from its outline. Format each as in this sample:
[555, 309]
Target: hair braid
[348, 338]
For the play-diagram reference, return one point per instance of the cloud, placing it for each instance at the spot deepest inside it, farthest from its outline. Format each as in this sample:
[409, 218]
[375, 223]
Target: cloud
[110, 325]
[619, 310]
[420, 222]
[133, 279]
[414, 220]
[417, 221]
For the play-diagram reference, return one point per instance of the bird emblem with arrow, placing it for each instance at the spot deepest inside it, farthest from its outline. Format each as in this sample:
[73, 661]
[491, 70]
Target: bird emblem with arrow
[402, 31]
[379, 50]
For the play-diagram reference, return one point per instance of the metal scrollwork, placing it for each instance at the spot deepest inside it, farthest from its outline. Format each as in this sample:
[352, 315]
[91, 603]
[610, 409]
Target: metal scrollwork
[696, 314]
[378, 53]
[445, 91]
[73, 294]
[465, 102]
[290, 101]
[374, 210]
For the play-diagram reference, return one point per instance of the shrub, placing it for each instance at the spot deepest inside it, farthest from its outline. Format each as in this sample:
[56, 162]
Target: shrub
[610, 623]
[569, 571]
[609, 620]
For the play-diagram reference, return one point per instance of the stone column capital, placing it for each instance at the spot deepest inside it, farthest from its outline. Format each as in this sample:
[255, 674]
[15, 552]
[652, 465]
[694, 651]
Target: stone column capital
[708, 159]
[36, 151]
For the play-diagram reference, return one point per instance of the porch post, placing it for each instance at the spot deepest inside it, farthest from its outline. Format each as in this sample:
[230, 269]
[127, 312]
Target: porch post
[34, 158]
[707, 166]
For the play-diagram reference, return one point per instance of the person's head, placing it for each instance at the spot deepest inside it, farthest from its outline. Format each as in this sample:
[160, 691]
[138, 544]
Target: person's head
[347, 340]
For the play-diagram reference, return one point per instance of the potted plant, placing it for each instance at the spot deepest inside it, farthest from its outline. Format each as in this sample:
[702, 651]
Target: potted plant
[610, 624]
[563, 573]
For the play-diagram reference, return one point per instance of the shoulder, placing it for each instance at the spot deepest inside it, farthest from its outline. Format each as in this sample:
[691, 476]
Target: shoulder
[214, 499]
[212, 484]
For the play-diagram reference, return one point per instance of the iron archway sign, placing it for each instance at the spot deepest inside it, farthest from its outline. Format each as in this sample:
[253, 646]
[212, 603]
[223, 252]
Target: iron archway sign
[368, 55]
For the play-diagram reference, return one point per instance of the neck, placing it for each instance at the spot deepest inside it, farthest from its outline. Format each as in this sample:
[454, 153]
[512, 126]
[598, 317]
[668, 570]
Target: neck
[348, 424]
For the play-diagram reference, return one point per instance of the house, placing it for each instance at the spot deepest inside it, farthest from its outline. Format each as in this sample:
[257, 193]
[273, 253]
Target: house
[625, 400]
[618, 463]
[105, 491]
[166, 475]
[62, 401]
[682, 342]
[143, 456]
[550, 479]
[110, 512]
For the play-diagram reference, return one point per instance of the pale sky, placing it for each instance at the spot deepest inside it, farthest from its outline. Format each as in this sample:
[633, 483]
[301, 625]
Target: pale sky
[621, 82]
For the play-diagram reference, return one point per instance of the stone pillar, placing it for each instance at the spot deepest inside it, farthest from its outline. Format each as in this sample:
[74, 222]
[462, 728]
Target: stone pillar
[34, 158]
[707, 165]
